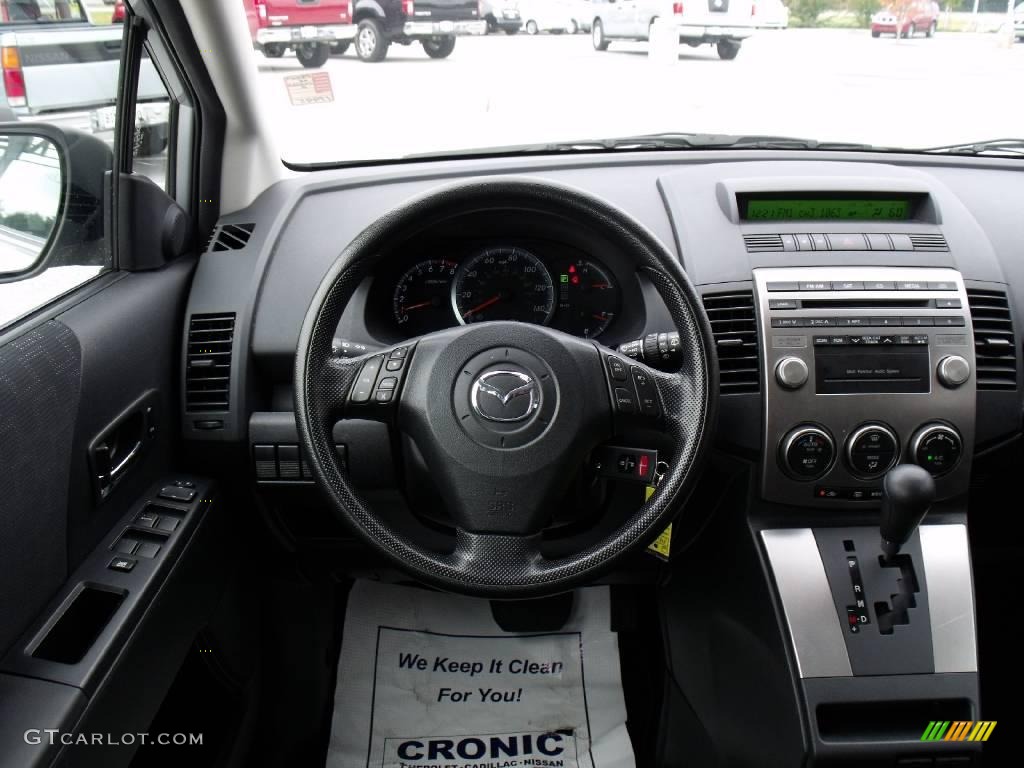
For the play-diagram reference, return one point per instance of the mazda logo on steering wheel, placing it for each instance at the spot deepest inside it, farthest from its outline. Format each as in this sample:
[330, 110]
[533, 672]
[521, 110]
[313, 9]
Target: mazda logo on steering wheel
[505, 396]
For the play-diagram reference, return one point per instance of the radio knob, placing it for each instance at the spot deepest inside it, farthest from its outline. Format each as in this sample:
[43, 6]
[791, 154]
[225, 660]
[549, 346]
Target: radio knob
[791, 372]
[953, 371]
[807, 452]
[937, 448]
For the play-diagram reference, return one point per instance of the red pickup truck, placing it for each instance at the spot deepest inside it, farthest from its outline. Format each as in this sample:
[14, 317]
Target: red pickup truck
[313, 28]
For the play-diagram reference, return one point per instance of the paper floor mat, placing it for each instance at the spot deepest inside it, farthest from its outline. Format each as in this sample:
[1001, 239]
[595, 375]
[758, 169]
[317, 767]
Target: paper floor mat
[429, 680]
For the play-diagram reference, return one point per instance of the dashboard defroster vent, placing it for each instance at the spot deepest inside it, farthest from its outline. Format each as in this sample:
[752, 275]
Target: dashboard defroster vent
[735, 330]
[763, 243]
[929, 242]
[208, 363]
[231, 237]
[995, 347]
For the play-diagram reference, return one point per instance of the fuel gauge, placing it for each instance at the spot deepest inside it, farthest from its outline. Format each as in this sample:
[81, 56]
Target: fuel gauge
[588, 298]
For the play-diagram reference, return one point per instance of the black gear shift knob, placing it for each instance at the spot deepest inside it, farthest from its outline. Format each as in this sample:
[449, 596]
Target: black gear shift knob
[909, 492]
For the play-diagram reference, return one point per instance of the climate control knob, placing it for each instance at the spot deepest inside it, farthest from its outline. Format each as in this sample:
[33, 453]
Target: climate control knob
[871, 450]
[807, 452]
[937, 448]
[791, 372]
[953, 371]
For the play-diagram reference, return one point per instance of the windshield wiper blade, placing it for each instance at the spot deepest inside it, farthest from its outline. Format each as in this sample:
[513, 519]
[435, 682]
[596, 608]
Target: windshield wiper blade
[654, 142]
[729, 141]
[987, 146]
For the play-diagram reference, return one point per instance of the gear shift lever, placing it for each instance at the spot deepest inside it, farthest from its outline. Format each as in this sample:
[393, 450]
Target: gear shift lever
[909, 492]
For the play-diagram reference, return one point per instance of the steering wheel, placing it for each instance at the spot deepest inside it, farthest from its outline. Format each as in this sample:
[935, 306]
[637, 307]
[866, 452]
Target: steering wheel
[505, 413]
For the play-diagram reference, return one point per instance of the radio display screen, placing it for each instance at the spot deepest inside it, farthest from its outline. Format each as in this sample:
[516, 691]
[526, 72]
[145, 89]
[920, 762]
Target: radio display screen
[826, 207]
[860, 371]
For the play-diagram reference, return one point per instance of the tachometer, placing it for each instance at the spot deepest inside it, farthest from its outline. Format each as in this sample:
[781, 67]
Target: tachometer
[588, 299]
[503, 284]
[422, 299]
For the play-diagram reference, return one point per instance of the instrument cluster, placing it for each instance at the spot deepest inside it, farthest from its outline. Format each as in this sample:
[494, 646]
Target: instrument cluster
[527, 282]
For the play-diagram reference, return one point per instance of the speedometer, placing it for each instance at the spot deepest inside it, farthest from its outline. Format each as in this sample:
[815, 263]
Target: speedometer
[503, 284]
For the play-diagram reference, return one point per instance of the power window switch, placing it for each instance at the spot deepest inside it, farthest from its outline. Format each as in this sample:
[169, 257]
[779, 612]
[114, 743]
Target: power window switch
[173, 493]
[147, 520]
[168, 524]
[126, 546]
[148, 549]
[123, 564]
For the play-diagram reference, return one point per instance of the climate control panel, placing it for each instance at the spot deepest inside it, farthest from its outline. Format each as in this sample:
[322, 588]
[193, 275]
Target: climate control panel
[864, 368]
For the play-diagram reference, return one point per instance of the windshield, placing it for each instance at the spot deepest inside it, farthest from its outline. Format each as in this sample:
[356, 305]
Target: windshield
[351, 81]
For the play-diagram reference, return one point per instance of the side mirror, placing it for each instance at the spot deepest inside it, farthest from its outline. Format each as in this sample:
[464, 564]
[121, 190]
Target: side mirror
[53, 209]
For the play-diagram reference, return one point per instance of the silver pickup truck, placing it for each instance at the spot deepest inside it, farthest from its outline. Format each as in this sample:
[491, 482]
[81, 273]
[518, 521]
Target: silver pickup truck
[60, 68]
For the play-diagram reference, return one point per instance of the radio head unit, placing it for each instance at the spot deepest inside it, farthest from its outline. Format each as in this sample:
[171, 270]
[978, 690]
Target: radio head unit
[863, 367]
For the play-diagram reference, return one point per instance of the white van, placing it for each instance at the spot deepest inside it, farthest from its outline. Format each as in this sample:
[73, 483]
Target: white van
[722, 23]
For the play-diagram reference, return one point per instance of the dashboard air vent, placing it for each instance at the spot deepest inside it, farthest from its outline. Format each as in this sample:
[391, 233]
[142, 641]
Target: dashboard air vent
[735, 330]
[232, 237]
[762, 243]
[208, 362]
[929, 242]
[994, 345]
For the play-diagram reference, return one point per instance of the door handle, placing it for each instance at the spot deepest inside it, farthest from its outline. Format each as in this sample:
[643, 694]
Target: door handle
[123, 464]
[120, 445]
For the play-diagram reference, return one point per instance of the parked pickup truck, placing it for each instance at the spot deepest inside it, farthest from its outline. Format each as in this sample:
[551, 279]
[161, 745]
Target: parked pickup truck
[722, 23]
[433, 23]
[59, 68]
[314, 29]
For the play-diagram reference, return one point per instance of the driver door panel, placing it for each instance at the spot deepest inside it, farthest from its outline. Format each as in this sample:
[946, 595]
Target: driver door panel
[94, 362]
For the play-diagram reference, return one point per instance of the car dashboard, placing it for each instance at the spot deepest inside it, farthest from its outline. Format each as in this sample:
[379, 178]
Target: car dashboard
[865, 310]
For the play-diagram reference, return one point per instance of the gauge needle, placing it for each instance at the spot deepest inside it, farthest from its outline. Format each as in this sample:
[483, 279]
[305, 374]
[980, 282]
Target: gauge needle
[480, 307]
[421, 305]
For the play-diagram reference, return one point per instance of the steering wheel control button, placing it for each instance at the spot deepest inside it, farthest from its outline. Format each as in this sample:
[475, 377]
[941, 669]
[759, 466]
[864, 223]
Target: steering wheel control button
[616, 369]
[872, 450]
[646, 392]
[791, 373]
[363, 388]
[807, 453]
[398, 353]
[383, 396]
[953, 371]
[388, 383]
[625, 401]
[395, 364]
[937, 448]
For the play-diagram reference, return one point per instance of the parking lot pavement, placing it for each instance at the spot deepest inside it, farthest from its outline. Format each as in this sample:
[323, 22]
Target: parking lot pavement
[836, 85]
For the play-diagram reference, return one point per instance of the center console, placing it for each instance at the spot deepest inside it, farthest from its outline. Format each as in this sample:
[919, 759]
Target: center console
[865, 368]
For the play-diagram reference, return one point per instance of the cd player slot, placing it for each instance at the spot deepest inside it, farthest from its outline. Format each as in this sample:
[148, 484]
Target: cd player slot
[867, 303]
